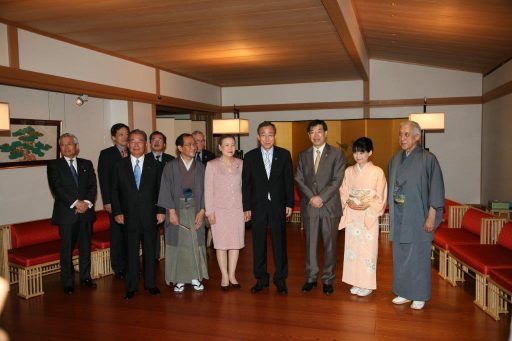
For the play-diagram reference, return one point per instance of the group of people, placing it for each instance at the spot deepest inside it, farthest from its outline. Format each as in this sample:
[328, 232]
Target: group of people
[141, 191]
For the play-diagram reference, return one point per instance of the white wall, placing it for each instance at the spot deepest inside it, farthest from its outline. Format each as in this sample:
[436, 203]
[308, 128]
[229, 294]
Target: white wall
[46, 55]
[4, 52]
[143, 117]
[182, 87]
[389, 80]
[497, 140]
[25, 193]
[458, 147]
[291, 93]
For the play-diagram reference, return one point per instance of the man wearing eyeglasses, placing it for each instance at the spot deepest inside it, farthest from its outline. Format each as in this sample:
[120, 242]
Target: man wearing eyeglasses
[202, 154]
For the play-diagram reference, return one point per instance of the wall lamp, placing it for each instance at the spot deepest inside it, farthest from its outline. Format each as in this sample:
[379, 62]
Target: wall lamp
[80, 100]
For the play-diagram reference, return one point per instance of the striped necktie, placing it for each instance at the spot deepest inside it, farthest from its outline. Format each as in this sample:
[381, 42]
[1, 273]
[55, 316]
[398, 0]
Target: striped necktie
[137, 173]
[73, 171]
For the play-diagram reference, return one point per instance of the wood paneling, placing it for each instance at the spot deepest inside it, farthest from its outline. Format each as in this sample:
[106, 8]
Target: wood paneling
[224, 42]
[12, 46]
[236, 43]
[498, 92]
[470, 35]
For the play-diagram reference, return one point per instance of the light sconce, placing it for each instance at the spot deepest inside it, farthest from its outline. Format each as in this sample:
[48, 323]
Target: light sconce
[5, 123]
[80, 100]
[428, 121]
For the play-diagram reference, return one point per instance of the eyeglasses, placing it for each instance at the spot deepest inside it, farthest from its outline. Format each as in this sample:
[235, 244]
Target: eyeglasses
[189, 145]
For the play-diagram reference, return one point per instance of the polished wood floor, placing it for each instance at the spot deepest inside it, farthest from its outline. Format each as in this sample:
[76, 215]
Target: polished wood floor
[102, 314]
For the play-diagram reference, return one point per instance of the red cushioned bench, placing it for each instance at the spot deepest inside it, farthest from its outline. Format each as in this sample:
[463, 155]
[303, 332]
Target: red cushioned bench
[101, 241]
[30, 251]
[481, 259]
[466, 226]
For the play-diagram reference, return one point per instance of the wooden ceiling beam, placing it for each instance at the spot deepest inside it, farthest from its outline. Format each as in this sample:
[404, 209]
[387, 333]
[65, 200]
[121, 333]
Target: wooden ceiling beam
[344, 19]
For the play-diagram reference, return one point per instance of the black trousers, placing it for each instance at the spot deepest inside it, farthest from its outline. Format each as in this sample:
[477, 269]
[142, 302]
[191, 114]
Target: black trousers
[276, 224]
[133, 241]
[70, 234]
[117, 248]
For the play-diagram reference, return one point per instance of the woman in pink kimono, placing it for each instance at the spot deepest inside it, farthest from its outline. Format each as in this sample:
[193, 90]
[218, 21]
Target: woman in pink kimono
[223, 203]
[363, 198]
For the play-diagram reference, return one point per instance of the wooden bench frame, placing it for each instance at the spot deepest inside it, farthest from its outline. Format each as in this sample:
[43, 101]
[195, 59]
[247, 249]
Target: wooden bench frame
[490, 230]
[498, 299]
[30, 279]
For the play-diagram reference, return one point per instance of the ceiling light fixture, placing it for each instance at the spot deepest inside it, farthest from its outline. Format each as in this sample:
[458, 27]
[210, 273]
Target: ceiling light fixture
[80, 100]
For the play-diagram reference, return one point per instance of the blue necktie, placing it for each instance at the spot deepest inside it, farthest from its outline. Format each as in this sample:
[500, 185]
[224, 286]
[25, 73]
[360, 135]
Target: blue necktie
[136, 173]
[73, 171]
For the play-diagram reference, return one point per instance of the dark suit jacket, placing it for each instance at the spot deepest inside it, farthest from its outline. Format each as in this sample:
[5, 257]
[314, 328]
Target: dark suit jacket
[256, 185]
[106, 164]
[137, 205]
[207, 156]
[66, 191]
[325, 183]
[165, 158]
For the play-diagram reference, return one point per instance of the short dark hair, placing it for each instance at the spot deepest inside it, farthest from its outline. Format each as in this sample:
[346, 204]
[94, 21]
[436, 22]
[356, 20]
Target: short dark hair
[315, 123]
[266, 124]
[115, 128]
[362, 144]
[156, 132]
[138, 132]
[180, 139]
[223, 137]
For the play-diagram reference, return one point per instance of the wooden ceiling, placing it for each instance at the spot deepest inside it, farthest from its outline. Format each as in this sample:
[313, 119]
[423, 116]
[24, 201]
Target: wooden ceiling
[241, 42]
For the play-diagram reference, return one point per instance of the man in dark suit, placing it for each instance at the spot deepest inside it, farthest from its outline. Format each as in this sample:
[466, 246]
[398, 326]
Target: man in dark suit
[106, 164]
[202, 154]
[135, 186]
[158, 143]
[320, 170]
[267, 195]
[73, 183]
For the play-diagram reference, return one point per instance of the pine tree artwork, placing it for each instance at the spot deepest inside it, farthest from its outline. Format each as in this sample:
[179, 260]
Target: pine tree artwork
[27, 146]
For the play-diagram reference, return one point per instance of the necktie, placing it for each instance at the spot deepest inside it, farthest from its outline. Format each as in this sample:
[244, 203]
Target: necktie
[157, 157]
[136, 173]
[317, 160]
[198, 156]
[268, 164]
[73, 171]
[123, 153]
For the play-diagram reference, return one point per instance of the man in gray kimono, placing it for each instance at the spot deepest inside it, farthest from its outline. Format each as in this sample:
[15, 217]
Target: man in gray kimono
[182, 195]
[416, 200]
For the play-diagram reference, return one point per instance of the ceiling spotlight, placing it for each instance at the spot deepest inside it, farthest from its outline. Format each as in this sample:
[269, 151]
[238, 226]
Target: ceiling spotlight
[80, 100]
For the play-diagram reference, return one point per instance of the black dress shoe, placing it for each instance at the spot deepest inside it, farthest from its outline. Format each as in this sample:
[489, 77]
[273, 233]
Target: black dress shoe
[224, 287]
[258, 287]
[308, 286]
[120, 275]
[68, 290]
[281, 287]
[129, 295]
[236, 285]
[328, 289]
[153, 291]
[88, 283]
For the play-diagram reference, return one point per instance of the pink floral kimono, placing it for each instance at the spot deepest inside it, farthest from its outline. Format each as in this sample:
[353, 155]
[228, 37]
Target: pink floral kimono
[367, 185]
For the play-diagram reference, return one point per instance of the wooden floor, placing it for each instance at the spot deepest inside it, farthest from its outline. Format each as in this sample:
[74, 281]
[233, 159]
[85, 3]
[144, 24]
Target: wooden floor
[102, 314]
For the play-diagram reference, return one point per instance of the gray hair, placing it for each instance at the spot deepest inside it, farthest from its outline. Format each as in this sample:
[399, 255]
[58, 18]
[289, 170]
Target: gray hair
[197, 132]
[414, 126]
[75, 139]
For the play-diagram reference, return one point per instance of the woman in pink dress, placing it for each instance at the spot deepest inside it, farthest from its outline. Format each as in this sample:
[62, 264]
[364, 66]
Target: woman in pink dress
[363, 198]
[223, 202]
